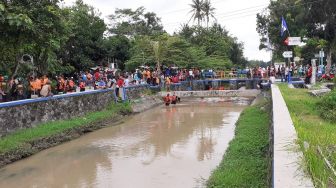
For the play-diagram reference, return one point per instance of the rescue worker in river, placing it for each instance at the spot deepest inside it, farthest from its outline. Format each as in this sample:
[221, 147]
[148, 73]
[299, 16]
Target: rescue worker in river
[167, 100]
[175, 99]
[171, 99]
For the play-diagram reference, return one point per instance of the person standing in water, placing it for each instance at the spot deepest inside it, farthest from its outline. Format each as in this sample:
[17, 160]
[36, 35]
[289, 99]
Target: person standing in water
[167, 100]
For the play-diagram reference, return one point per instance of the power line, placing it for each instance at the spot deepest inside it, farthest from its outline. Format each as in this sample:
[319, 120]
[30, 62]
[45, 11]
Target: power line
[240, 13]
[240, 10]
[235, 14]
[185, 9]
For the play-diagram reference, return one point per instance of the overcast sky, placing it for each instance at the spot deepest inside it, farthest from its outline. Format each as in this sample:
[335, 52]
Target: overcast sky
[237, 16]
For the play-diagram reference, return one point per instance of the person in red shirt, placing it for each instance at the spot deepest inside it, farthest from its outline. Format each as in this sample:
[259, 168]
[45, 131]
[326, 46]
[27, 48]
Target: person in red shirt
[120, 84]
[175, 79]
[97, 75]
[309, 74]
[82, 86]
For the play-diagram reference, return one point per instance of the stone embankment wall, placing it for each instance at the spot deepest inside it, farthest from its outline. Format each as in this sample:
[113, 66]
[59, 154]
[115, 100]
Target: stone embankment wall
[215, 93]
[232, 84]
[32, 112]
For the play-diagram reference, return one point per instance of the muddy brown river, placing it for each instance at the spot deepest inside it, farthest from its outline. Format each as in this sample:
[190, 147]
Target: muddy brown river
[176, 146]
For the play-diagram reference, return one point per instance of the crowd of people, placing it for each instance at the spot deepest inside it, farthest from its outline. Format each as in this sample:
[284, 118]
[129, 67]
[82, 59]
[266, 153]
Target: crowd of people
[101, 78]
[283, 72]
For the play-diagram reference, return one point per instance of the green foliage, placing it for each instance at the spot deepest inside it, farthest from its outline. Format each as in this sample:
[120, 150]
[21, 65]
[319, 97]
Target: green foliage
[245, 163]
[117, 49]
[308, 19]
[215, 63]
[327, 106]
[71, 39]
[84, 45]
[257, 63]
[135, 22]
[269, 25]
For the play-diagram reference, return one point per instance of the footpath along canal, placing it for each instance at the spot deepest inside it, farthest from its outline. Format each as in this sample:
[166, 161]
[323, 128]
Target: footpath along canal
[176, 146]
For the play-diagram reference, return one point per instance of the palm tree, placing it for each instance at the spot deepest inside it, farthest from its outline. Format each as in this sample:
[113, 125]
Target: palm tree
[208, 11]
[197, 11]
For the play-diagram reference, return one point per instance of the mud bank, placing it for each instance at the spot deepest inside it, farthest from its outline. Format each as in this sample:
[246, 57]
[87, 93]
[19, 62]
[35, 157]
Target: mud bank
[34, 146]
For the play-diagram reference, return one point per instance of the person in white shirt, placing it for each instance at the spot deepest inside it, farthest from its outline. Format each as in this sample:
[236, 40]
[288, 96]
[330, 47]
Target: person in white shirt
[127, 81]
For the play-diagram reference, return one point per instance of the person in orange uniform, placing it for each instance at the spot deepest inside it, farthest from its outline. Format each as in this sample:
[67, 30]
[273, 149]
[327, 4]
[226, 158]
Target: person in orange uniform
[167, 99]
[38, 85]
[148, 76]
[168, 82]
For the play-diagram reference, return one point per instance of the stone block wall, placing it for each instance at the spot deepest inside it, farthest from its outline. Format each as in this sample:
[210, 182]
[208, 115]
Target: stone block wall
[32, 112]
[29, 113]
[229, 84]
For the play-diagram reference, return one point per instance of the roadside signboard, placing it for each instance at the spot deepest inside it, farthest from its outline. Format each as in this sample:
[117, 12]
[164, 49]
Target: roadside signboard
[294, 41]
[287, 54]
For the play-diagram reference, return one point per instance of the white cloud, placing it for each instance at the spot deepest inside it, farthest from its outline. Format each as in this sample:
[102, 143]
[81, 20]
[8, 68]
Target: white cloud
[238, 16]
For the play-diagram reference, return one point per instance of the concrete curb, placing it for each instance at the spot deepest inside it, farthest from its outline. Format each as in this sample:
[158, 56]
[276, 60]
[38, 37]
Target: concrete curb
[287, 171]
[215, 93]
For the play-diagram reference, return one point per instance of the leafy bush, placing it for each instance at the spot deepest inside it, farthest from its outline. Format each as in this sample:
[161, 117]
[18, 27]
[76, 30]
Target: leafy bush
[327, 106]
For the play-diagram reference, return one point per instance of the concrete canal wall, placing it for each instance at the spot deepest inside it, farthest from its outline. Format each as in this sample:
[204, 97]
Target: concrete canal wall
[31, 112]
[227, 84]
[215, 93]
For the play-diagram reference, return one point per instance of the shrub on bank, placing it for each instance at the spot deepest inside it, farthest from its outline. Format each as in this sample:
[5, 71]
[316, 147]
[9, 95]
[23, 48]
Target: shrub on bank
[327, 106]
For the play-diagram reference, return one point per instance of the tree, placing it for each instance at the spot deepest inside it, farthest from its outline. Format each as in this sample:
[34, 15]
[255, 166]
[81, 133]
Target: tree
[269, 25]
[311, 20]
[84, 46]
[320, 19]
[141, 53]
[130, 22]
[117, 49]
[216, 43]
[208, 11]
[29, 27]
[197, 11]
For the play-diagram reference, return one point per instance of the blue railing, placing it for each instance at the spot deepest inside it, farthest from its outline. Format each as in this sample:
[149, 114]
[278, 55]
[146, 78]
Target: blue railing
[173, 85]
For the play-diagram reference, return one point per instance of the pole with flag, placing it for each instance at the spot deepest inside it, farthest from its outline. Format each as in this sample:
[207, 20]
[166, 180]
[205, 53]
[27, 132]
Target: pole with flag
[284, 27]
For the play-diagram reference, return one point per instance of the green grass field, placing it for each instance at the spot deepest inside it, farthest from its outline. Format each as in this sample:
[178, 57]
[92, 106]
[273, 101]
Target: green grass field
[313, 132]
[22, 137]
[246, 162]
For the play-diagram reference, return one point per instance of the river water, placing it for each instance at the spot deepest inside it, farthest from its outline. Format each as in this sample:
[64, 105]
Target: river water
[176, 146]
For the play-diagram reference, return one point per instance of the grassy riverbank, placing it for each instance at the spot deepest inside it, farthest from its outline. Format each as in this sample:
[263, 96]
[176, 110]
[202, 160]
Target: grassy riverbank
[25, 139]
[314, 132]
[246, 162]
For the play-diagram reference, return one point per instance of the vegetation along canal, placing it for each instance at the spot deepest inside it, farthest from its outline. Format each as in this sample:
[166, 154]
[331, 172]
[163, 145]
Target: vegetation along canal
[176, 146]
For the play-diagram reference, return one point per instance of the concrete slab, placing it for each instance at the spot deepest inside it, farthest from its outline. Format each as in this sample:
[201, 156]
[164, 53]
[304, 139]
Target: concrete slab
[215, 93]
[287, 156]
